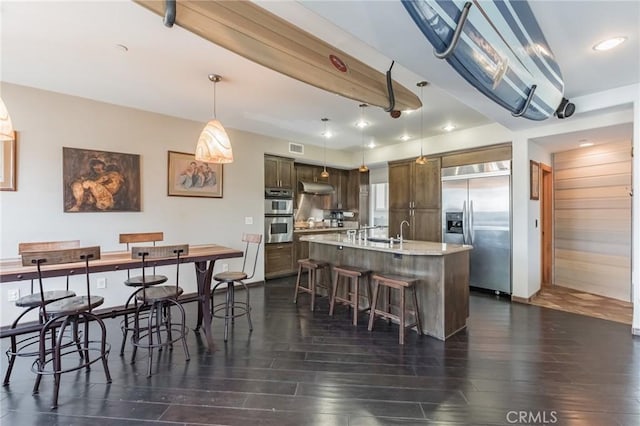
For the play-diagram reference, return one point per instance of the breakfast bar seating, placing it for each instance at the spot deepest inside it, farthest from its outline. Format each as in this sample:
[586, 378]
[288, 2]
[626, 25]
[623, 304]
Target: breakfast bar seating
[352, 276]
[312, 267]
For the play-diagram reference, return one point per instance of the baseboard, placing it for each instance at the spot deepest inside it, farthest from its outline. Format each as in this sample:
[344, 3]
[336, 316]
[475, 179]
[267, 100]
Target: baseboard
[525, 300]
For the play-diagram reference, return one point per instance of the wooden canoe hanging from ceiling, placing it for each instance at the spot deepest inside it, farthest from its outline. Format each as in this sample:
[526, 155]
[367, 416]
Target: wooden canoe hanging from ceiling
[256, 34]
[499, 48]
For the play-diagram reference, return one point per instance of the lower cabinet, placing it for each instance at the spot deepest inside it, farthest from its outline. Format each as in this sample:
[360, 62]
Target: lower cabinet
[278, 260]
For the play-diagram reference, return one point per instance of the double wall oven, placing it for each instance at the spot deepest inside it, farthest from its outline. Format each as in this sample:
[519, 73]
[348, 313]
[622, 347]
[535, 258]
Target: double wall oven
[278, 215]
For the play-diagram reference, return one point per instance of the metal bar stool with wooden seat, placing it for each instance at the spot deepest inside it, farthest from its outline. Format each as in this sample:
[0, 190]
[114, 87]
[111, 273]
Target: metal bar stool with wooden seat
[312, 267]
[352, 275]
[28, 347]
[158, 301]
[136, 281]
[232, 308]
[401, 283]
[63, 313]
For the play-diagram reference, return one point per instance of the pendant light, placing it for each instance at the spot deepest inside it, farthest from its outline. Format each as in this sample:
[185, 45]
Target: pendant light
[422, 159]
[363, 168]
[325, 173]
[6, 127]
[214, 145]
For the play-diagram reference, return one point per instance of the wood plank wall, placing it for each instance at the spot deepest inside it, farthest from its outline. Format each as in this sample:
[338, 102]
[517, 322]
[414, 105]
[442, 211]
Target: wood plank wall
[592, 219]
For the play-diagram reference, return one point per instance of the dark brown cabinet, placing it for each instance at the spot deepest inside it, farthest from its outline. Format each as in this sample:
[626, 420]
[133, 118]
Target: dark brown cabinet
[278, 172]
[340, 181]
[279, 260]
[358, 195]
[414, 196]
[310, 173]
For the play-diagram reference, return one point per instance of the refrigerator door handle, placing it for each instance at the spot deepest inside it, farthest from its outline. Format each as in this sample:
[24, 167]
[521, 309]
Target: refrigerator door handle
[464, 222]
[471, 222]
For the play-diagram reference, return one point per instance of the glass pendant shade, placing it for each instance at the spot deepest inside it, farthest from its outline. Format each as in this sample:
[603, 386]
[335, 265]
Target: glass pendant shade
[6, 127]
[214, 145]
[325, 173]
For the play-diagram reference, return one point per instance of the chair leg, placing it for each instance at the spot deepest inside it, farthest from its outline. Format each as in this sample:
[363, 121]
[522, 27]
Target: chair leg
[150, 337]
[295, 295]
[135, 338]
[12, 359]
[86, 342]
[372, 314]
[232, 292]
[248, 305]
[334, 293]
[402, 315]
[166, 308]
[415, 306]
[125, 328]
[312, 287]
[76, 338]
[184, 329]
[226, 313]
[356, 299]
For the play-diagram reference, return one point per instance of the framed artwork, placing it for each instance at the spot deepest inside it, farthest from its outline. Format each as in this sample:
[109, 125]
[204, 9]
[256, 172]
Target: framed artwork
[9, 165]
[100, 181]
[187, 177]
[534, 175]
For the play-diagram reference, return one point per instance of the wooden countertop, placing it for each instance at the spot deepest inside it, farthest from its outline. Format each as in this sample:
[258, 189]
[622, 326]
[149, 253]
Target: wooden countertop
[408, 247]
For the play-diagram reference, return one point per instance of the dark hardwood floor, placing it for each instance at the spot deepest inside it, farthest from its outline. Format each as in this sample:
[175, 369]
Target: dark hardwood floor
[515, 364]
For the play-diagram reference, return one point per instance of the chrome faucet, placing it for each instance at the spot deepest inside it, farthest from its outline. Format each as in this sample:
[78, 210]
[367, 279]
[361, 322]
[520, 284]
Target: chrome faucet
[402, 223]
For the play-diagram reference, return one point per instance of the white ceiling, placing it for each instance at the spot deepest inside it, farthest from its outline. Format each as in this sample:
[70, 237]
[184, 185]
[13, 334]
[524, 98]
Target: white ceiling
[71, 47]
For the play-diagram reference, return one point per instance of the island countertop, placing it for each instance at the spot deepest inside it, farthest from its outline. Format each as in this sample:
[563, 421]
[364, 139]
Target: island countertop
[407, 247]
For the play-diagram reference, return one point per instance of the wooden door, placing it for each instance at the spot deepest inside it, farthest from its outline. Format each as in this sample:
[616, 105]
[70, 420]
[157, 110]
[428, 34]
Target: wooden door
[426, 185]
[546, 223]
[286, 173]
[400, 184]
[425, 225]
[271, 172]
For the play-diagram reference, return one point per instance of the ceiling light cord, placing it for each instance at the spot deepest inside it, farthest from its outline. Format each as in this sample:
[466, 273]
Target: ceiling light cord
[325, 173]
[363, 168]
[422, 159]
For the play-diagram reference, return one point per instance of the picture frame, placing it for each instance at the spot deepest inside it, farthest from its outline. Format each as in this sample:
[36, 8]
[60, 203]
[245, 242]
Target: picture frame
[100, 181]
[9, 164]
[188, 177]
[534, 176]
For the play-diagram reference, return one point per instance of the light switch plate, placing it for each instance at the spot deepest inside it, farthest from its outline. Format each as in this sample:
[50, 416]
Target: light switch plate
[248, 220]
[101, 283]
[13, 295]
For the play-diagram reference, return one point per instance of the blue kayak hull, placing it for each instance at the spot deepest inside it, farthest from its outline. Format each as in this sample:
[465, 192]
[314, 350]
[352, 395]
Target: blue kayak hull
[501, 52]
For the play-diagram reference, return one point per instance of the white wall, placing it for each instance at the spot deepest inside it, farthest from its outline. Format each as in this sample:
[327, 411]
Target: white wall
[47, 121]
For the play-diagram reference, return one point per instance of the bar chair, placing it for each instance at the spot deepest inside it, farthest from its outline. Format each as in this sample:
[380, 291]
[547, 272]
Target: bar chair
[135, 281]
[158, 301]
[27, 347]
[312, 267]
[352, 277]
[400, 283]
[70, 311]
[231, 307]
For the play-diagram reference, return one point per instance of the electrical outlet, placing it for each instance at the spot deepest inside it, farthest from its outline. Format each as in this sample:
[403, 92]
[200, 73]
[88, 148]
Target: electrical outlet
[13, 295]
[101, 283]
[225, 267]
[248, 220]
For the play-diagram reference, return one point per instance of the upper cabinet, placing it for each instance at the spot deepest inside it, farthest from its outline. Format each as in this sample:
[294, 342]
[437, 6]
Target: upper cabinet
[310, 173]
[278, 172]
[414, 196]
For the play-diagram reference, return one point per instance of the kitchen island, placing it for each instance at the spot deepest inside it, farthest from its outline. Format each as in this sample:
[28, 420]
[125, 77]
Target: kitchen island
[443, 271]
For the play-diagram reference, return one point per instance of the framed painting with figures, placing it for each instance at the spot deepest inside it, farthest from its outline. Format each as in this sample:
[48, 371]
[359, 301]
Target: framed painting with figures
[188, 177]
[100, 181]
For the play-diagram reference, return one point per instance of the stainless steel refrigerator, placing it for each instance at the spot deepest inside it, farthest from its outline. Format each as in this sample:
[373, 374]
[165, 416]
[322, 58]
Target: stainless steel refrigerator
[476, 210]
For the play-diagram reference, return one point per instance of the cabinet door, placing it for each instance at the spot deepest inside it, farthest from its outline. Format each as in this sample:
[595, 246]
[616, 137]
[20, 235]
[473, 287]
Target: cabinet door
[400, 182]
[426, 185]
[335, 179]
[304, 172]
[285, 172]
[271, 172]
[396, 216]
[278, 259]
[425, 225]
[353, 190]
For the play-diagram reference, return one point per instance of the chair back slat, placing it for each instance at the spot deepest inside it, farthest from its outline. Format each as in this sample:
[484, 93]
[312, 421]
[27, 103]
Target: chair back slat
[57, 257]
[157, 252]
[251, 240]
[47, 245]
[141, 237]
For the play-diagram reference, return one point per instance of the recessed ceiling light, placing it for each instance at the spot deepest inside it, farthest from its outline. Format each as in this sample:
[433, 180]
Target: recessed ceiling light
[327, 134]
[122, 48]
[361, 124]
[409, 111]
[405, 137]
[371, 145]
[609, 44]
[585, 143]
[448, 127]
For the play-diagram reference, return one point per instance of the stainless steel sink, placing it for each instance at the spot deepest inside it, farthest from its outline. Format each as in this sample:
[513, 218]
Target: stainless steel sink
[379, 240]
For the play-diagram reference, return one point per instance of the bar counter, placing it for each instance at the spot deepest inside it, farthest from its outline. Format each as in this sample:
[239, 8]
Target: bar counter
[442, 269]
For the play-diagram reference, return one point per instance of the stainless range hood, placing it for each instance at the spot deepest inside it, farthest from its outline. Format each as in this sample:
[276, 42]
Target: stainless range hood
[317, 188]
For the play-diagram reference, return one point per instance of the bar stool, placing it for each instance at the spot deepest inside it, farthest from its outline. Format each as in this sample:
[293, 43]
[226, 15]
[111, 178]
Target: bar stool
[63, 313]
[27, 347]
[136, 281]
[230, 305]
[397, 282]
[352, 275]
[312, 266]
[158, 300]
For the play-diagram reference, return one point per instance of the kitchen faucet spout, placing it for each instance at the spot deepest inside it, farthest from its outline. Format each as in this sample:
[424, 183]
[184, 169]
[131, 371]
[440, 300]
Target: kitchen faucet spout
[402, 223]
